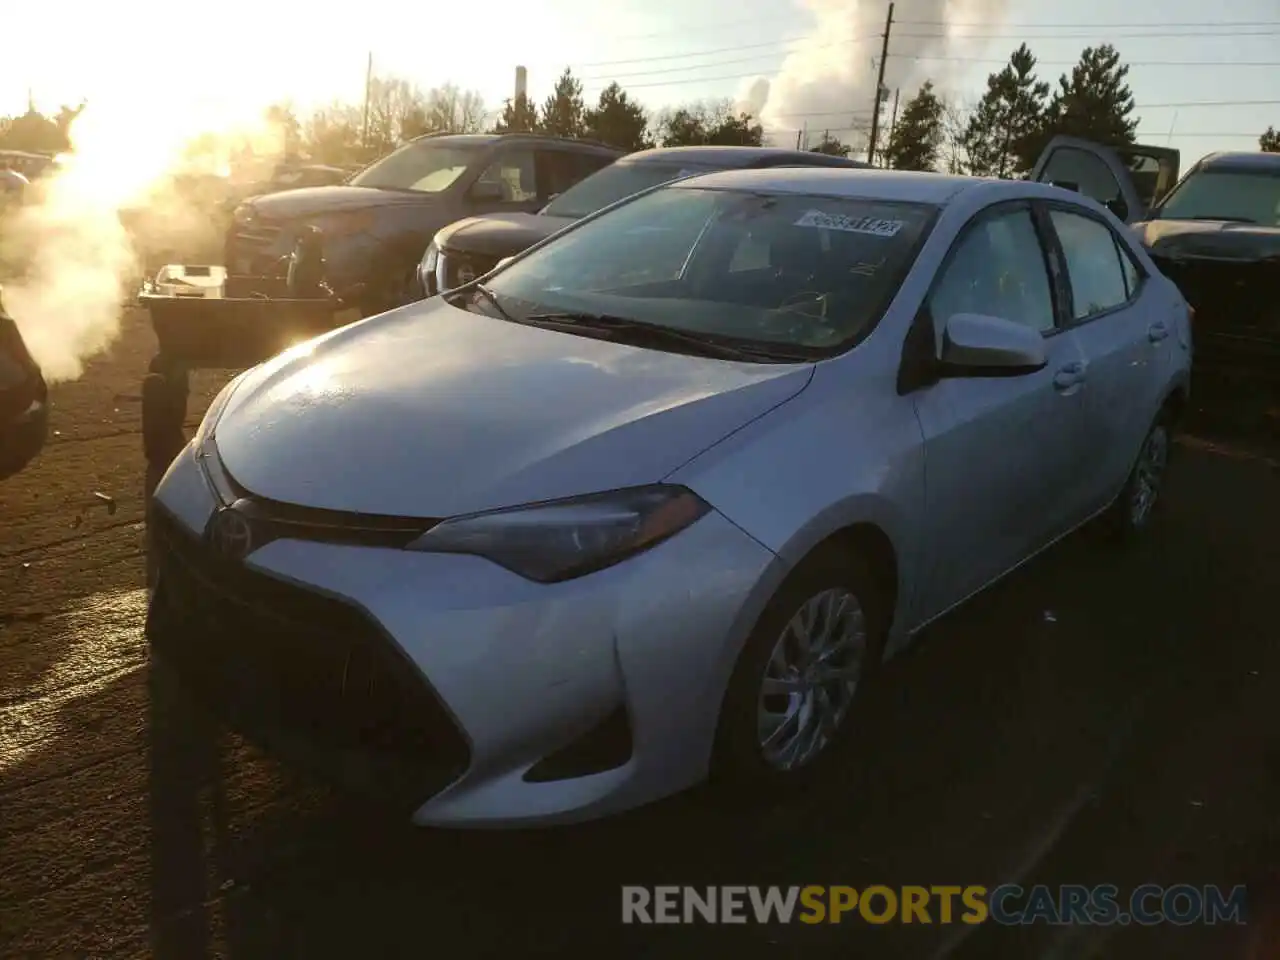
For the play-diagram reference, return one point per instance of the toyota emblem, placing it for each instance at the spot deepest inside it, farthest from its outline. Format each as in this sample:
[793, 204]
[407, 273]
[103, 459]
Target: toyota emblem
[230, 534]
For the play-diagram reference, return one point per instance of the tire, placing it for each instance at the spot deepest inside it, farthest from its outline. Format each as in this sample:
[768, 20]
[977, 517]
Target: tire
[741, 754]
[1132, 513]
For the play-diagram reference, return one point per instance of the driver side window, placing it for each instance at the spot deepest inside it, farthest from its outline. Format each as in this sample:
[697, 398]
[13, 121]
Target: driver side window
[997, 268]
[515, 174]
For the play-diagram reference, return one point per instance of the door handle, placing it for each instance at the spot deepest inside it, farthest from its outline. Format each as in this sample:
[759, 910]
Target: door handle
[1157, 331]
[1073, 374]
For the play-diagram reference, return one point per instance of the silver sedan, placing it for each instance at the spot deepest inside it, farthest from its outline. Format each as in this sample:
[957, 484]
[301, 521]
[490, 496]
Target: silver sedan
[651, 501]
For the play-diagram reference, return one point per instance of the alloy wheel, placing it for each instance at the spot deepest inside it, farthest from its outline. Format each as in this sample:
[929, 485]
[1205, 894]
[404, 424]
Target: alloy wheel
[810, 678]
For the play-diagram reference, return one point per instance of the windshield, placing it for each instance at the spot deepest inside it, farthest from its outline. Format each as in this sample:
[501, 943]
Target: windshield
[808, 271]
[1244, 195]
[422, 166]
[614, 183]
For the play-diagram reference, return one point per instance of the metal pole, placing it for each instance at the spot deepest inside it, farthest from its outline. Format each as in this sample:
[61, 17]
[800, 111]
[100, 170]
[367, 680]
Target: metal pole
[368, 89]
[875, 111]
[893, 124]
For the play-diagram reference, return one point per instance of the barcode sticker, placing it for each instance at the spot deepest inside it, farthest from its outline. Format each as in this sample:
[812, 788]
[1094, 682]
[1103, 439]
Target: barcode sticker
[873, 226]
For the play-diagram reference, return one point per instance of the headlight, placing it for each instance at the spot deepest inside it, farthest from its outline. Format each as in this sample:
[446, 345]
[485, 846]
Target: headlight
[427, 269]
[243, 214]
[563, 539]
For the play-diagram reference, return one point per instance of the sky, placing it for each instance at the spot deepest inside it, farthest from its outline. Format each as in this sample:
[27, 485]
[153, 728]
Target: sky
[1205, 77]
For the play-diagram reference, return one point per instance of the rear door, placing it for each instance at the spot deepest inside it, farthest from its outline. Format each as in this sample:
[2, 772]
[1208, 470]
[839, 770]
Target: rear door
[1112, 310]
[1127, 180]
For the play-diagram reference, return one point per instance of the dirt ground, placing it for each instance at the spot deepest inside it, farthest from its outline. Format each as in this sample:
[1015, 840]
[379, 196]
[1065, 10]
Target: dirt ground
[1102, 716]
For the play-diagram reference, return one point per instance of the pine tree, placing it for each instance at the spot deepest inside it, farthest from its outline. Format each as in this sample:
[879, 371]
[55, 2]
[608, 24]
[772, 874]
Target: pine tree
[831, 146]
[518, 116]
[1094, 103]
[563, 111]
[1009, 116]
[617, 120]
[917, 136]
[1269, 142]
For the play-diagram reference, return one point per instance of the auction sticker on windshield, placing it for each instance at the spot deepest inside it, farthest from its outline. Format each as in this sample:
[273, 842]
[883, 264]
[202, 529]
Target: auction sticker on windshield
[835, 221]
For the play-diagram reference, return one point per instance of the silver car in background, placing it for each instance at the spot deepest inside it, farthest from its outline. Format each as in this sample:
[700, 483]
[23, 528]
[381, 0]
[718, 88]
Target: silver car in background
[653, 500]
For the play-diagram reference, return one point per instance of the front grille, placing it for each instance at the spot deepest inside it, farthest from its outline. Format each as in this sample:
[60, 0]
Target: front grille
[255, 250]
[1237, 297]
[308, 676]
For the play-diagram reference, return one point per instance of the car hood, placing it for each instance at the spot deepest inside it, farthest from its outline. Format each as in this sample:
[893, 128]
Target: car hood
[308, 201]
[431, 411]
[499, 236]
[1214, 239]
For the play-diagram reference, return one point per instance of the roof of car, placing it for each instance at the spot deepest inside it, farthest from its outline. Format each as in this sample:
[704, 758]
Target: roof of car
[738, 156]
[1239, 160]
[480, 139]
[873, 184]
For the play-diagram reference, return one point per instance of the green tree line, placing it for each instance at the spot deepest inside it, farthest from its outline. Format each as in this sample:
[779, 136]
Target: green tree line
[1000, 136]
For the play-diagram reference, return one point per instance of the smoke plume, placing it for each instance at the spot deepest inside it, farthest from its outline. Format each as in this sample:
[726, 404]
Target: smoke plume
[828, 83]
[74, 250]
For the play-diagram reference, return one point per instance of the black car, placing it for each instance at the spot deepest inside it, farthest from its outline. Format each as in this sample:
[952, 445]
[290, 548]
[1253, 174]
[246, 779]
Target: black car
[471, 248]
[24, 401]
[1215, 233]
[377, 225]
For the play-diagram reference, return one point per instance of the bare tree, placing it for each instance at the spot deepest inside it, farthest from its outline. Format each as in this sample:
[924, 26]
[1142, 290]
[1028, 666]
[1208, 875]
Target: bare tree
[955, 123]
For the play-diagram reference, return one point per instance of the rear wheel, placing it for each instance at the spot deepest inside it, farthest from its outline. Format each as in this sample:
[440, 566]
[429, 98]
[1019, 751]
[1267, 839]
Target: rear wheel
[792, 692]
[1134, 509]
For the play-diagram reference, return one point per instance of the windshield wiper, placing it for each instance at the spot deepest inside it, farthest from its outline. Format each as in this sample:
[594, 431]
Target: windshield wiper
[651, 334]
[492, 297]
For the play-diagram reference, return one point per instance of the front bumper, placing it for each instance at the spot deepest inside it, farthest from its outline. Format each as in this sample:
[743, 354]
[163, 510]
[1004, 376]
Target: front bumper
[512, 671]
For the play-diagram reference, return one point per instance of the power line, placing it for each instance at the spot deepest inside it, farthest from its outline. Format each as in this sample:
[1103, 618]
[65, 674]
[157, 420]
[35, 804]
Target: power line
[1095, 28]
[1183, 64]
[1183, 105]
[624, 77]
[781, 47]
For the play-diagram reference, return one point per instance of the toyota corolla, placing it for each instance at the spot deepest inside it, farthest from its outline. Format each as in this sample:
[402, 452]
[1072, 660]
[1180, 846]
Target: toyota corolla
[651, 502]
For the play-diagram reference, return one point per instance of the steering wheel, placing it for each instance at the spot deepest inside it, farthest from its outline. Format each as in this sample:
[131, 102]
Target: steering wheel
[797, 302]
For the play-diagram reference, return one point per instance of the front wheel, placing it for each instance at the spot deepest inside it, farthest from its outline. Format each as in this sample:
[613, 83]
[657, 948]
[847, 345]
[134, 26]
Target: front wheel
[792, 691]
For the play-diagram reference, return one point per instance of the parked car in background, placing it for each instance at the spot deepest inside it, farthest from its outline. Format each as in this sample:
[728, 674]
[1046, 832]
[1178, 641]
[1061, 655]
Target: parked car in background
[377, 225]
[654, 500]
[472, 247]
[24, 400]
[1215, 233]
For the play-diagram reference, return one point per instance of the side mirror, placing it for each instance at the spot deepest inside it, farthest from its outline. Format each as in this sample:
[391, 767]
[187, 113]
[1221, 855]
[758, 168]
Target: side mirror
[974, 345]
[487, 191]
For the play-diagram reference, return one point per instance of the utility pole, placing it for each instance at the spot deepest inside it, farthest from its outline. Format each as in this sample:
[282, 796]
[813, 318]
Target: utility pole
[893, 124]
[368, 90]
[798, 135]
[875, 107]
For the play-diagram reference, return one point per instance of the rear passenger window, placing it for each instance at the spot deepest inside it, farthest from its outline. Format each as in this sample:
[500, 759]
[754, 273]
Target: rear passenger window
[1098, 281]
[1132, 275]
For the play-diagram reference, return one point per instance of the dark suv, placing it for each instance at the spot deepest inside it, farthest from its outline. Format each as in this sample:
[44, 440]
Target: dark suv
[471, 248]
[376, 226]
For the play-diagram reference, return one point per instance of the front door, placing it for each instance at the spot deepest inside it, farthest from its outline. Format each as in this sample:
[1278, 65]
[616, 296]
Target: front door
[1005, 457]
[1127, 180]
